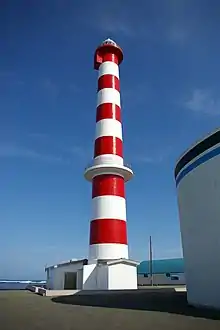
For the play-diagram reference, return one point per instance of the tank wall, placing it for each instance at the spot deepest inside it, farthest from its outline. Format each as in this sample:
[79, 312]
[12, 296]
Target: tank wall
[199, 212]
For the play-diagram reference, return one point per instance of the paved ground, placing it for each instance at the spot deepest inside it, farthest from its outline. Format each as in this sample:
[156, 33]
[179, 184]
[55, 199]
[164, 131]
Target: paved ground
[144, 309]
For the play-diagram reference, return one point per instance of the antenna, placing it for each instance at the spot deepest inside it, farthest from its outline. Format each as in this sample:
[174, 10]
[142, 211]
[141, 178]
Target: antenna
[151, 261]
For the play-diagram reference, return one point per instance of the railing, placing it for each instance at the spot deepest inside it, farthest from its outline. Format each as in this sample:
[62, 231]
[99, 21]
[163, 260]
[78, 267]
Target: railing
[91, 164]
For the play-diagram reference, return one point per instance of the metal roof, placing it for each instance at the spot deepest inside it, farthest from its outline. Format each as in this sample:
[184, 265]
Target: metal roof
[118, 261]
[68, 262]
[162, 266]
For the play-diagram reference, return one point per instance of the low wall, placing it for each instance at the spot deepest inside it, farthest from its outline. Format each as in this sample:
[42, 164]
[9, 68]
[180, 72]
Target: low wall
[34, 288]
[55, 293]
[162, 279]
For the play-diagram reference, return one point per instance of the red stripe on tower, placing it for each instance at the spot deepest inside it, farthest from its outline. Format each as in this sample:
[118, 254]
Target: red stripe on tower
[108, 81]
[108, 145]
[108, 111]
[108, 184]
[108, 231]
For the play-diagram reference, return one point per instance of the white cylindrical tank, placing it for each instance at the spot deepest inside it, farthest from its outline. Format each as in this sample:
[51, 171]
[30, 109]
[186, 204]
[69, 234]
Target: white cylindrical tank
[197, 175]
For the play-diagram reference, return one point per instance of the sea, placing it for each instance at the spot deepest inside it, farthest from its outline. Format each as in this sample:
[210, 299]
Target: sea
[20, 285]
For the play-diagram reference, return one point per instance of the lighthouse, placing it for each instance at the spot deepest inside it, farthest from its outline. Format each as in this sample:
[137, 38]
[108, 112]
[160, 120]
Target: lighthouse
[108, 173]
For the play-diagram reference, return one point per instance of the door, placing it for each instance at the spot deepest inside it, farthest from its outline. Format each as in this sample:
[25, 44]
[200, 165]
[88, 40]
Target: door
[70, 281]
[79, 279]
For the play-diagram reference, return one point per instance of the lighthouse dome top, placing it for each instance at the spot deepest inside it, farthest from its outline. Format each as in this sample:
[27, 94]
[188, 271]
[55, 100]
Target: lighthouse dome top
[107, 46]
[109, 42]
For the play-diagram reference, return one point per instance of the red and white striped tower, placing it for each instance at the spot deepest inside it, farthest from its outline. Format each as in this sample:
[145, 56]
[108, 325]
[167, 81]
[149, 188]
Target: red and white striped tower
[108, 173]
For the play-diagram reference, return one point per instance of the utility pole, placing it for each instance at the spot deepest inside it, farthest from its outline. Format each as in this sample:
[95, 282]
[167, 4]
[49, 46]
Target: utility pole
[151, 262]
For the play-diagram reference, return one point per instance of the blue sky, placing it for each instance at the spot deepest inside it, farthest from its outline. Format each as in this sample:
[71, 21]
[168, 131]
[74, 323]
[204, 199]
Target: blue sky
[170, 93]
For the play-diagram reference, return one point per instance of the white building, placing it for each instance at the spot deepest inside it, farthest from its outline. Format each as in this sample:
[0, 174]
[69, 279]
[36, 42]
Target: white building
[197, 176]
[103, 275]
[66, 275]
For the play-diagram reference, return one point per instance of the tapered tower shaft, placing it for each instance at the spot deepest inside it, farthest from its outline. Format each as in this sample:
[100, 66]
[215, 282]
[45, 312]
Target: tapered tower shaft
[108, 226]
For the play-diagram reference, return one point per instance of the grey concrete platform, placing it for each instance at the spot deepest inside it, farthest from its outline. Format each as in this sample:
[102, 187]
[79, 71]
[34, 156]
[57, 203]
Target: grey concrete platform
[57, 293]
[142, 309]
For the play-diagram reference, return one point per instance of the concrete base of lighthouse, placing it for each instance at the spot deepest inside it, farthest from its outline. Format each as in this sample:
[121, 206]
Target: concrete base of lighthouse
[120, 274]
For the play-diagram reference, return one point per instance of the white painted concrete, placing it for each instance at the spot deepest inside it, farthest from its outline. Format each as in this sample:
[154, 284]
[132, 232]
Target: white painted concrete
[121, 170]
[108, 95]
[122, 277]
[112, 275]
[183, 289]
[79, 283]
[108, 159]
[199, 211]
[56, 275]
[108, 127]
[50, 277]
[89, 277]
[102, 277]
[108, 251]
[109, 207]
[57, 293]
[108, 67]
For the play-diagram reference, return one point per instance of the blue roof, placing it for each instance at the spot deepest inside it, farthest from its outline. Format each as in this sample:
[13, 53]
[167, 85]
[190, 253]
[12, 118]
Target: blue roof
[162, 266]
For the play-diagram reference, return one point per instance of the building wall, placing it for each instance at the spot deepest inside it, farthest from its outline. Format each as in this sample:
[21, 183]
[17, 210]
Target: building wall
[122, 276]
[95, 277]
[79, 279]
[50, 275]
[89, 277]
[56, 275]
[109, 277]
[199, 211]
[102, 277]
[162, 279]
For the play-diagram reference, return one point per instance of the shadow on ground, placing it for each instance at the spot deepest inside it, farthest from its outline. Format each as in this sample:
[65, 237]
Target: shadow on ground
[167, 301]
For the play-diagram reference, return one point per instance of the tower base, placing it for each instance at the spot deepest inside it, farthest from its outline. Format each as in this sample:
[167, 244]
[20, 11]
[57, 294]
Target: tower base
[120, 274]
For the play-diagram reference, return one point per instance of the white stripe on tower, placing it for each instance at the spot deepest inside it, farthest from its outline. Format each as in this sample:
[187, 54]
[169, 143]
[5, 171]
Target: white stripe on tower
[108, 95]
[108, 228]
[108, 127]
[108, 159]
[110, 206]
[109, 67]
[108, 251]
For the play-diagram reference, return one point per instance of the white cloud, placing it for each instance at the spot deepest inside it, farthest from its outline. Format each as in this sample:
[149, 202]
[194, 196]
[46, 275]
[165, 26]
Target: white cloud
[136, 95]
[81, 152]
[14, 151]
[50, 87]
[7, 74]
[10, 78]
[155, 158]
[38, 135]
[203, 101]
[115, 24]
[178, 34]
[74, 88]
[175, 252]
[77, 150]
[145, 21]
